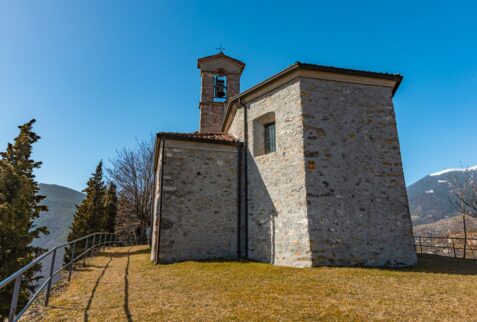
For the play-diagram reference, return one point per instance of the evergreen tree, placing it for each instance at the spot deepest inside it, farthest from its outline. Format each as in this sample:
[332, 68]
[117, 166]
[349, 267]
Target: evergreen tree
[91, 215]
[111, 205]
[20, 205]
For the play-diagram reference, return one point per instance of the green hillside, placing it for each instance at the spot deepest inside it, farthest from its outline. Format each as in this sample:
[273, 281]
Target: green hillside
[61, 202]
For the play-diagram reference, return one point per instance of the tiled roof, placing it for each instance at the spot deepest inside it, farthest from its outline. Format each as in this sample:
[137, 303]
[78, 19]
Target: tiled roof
[222, 138]
[347, 71]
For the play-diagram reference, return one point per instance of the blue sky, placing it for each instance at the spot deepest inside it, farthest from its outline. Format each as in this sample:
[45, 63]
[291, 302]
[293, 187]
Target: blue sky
[97, 74]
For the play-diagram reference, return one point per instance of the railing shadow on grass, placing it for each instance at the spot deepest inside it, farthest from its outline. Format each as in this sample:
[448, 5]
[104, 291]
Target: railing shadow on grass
[92, 243]
[93, 291]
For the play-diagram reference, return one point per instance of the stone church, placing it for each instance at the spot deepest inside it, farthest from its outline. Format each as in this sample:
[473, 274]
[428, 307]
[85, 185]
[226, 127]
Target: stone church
[303, 169]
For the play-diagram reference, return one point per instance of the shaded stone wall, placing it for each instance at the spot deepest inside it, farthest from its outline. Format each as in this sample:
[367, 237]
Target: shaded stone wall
[236, 129]
[157, 205]
[278, 228]
[357, 203]
[199, 210]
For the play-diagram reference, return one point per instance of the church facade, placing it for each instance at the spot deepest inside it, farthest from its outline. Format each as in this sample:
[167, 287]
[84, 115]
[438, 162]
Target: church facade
[303, 169]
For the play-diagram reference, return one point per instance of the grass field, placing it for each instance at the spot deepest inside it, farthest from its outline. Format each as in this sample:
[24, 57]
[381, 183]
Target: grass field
[121, 284]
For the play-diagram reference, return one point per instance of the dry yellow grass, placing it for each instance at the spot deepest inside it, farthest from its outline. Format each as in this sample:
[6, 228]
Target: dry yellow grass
[110, 289]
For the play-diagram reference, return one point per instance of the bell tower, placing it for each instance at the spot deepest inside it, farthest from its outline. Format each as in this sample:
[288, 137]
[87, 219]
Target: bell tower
[220, 81]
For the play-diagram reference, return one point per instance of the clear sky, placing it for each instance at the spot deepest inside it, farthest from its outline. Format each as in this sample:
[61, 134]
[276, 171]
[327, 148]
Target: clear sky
[98, 74]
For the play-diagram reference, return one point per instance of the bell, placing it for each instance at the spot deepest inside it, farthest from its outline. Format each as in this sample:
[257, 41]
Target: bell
[219, 87]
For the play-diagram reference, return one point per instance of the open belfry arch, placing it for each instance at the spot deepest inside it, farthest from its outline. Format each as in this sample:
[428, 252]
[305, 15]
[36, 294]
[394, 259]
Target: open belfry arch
[220, 76]
[303, 169]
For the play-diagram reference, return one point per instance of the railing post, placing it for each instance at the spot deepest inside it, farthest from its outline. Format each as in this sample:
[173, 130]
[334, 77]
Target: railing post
[14, 302]
[73, 254]
[420, 243]
[453, 247]
[92, 246]
[50, 279]
[85, 251]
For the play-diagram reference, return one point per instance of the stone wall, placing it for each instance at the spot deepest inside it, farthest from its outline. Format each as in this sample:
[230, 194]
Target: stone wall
[211, 117]
[236, 127]
[199, 203]
[278, 229]
[237, 130]
[156, 201]
[357, 203]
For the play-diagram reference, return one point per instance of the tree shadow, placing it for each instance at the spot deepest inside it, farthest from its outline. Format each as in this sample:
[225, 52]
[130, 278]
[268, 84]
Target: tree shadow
[93, 292]
[126, 290]
[119, 253]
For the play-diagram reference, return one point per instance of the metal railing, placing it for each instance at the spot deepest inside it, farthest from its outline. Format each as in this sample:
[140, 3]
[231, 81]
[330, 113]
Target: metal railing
[457, 247]
[98, 240]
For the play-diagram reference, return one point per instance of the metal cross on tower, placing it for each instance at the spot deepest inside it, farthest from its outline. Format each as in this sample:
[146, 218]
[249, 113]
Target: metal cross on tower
[221, 50]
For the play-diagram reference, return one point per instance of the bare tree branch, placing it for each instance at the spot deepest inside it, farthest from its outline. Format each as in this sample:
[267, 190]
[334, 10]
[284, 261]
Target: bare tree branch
[463, 187]
[132, 170]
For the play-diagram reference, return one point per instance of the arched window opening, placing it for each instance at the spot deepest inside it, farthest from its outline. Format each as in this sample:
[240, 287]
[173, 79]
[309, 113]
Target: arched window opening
[220, 87]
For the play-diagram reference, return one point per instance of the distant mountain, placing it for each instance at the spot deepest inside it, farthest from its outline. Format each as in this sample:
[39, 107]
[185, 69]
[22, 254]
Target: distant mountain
[61, 202]
[430, 198]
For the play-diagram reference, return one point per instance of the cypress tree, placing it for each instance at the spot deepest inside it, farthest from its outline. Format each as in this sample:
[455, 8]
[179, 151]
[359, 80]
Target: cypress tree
[111, 205]
[20, 205]
[91, 215]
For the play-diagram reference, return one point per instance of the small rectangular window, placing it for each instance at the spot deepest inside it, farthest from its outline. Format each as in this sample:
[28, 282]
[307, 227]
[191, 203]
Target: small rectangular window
[270, 145]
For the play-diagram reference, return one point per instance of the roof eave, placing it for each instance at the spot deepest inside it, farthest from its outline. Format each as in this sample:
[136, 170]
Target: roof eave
[394, 77]
[170, 136]
[222, 55]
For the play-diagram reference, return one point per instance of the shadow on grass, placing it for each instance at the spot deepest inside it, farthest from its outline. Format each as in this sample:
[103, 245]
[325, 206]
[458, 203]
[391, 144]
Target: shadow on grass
[98, 280]
[126, 290]
[443, 265]
[427, 263]
[118, 253]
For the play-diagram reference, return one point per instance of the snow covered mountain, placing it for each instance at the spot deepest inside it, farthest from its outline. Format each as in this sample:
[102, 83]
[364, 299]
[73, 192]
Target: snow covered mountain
[474, 168]
[430, 198]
